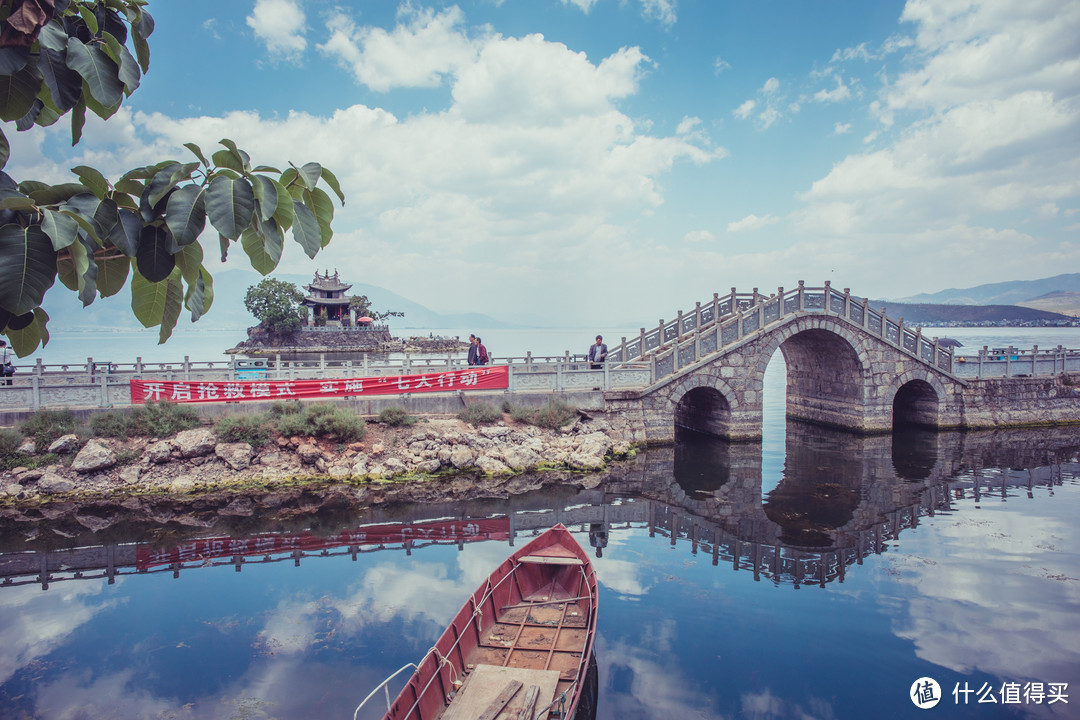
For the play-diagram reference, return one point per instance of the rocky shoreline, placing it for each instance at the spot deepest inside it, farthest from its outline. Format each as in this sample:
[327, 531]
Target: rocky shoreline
[261, 343]
[436, 459]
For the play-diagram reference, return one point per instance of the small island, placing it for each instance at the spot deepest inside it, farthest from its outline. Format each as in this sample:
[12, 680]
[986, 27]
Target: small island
[325, 320]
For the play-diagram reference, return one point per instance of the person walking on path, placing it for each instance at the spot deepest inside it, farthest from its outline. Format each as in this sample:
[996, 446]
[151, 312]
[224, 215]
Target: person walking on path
[481, 352]
[597, 354]
[472, 350]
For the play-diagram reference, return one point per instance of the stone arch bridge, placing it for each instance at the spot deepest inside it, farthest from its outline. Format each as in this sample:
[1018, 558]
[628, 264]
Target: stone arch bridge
[848, 366]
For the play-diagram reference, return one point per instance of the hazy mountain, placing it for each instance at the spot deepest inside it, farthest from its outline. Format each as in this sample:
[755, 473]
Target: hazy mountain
[1004, 293]
[228, 311]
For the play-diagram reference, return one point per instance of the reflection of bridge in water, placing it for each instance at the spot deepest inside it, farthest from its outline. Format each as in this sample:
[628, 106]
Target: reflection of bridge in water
[842, 499]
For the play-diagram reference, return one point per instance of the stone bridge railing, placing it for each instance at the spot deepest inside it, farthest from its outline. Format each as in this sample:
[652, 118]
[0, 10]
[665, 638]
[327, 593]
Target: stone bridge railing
[725, 321]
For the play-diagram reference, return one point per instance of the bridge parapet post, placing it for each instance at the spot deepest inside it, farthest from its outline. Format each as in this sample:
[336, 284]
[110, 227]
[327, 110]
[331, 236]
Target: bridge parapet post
[780, 302]
[678, 327]
[716, 308]
[865, 313]
[734, 301]
[826, 297]
[847, 303]
[802, 295]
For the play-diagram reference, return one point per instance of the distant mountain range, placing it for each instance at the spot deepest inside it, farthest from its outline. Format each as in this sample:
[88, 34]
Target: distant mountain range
[228, 311]
[1059, 294]
[1048, 299]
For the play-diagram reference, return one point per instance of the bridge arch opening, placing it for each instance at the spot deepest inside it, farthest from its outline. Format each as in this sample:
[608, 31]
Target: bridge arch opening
[824, 379]
[704, 410]
[915, 403]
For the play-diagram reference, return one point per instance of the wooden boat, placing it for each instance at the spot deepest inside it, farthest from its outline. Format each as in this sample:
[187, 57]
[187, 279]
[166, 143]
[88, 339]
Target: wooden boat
[520, 648]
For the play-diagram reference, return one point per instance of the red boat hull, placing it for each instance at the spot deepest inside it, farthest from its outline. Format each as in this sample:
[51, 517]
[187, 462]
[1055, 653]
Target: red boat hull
[532, 622]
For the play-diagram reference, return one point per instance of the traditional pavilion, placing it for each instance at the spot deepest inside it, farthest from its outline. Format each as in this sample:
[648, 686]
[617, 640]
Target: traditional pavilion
[326, 298]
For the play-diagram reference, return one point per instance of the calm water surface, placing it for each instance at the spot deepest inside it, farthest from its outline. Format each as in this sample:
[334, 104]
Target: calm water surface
[813, 575]
[871, 563]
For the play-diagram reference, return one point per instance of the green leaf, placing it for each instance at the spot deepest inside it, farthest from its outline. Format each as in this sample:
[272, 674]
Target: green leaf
[153, 259]
[27, 267]
[64, 84]
[27, 340]
[89, 18]
[88, 279]
[125, 235]
[92, 179]
[225, 159]
[17, 202]
[332, 181]
[98, 70]
[266, 194]
[148, 300]
[264, 250]
[84, 208]
[309, 174]
[230, 205]
[306, 229]
[129, 70]
[319, 202]
[223, 242]
[5, 149]
[101, 110]
[71, 266]
[241, 157]
[18, 92]
[189, 260]
[165, 180]
[174, 303]
[197, 151]
[195, 299]
[284, 213]
[78, 119]
[61, 228]
[185, 214]
[56, 194]
[112, 274]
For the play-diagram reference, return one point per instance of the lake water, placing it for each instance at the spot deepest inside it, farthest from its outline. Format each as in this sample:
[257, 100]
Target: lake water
[813, 575]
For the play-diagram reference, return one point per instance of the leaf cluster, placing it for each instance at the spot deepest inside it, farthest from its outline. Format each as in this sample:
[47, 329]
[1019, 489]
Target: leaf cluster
[362, 306]
[276, 304]
[95, 235]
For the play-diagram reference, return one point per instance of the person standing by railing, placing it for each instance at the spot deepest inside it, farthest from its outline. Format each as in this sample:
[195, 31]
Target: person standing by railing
[472, 350]
[6, 368]
[597, 354]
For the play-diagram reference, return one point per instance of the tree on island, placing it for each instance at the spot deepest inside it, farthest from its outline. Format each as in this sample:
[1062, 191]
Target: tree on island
[362, 307]
[68, 56]
[277, 305]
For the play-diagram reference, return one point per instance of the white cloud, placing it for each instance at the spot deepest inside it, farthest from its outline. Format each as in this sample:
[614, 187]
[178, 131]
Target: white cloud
[768, 117]
[420, 51]
[771, 86]
[281, 25]
[720, 65]
[531, 162]
[752, 222]
[698, 236]
[841, 128]
[982, 123]
[584, 5]
[744, 110]
[837, 94]
[662, 10]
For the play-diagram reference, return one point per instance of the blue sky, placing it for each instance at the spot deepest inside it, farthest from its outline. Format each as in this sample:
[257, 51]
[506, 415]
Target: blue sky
[613, 161]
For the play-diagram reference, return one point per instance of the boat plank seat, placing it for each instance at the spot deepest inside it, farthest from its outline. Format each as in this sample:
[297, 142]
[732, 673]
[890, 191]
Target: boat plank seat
[487, 683]
[551, 560]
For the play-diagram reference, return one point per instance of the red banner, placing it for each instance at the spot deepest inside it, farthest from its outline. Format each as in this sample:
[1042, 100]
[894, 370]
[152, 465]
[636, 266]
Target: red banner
[211, 548]
[495, 377]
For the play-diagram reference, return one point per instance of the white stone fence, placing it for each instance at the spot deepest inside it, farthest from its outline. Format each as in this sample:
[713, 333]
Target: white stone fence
[97, 384]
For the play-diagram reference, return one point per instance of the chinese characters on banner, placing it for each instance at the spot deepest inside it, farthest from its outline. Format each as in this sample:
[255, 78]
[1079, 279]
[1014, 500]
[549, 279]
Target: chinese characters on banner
[198, 391]
[209, 548]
